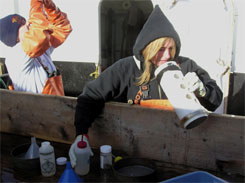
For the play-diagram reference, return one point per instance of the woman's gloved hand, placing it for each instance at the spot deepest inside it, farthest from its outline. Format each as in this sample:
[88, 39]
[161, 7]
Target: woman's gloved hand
[194, 84]
[72, 154]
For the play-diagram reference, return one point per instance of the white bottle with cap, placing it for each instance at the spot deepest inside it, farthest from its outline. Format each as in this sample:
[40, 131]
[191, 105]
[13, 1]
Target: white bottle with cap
[82, 153]
[105, 157]
[47, 159]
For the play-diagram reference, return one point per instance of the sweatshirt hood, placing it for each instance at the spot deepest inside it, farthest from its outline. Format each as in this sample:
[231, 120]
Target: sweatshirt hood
[156, 26]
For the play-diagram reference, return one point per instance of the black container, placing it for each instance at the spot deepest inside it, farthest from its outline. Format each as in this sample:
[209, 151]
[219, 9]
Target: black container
[135, 170]
[24, 167]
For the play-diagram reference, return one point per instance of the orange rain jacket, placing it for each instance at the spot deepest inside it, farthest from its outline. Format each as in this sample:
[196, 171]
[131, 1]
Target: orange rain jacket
[48, 27]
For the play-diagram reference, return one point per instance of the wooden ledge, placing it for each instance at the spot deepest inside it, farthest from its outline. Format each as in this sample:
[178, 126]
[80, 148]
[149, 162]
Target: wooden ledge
[217, 144]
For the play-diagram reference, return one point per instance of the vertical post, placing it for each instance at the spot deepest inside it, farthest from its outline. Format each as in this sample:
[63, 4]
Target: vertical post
[16, 6]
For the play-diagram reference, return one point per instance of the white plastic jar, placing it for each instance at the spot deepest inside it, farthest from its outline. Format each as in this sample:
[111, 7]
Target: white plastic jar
[105, 157]
[47, 159]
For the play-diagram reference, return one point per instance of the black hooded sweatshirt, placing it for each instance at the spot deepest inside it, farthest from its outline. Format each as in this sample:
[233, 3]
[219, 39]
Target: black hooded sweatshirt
[117, 82]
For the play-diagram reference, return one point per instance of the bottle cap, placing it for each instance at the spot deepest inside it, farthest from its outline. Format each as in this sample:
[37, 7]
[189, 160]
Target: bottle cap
[46, 143]
[61, 161]
[105, 149]
[82, 143]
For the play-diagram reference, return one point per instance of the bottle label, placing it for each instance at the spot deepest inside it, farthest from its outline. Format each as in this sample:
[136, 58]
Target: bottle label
[48, 166]
[105, 161]
[83, 161]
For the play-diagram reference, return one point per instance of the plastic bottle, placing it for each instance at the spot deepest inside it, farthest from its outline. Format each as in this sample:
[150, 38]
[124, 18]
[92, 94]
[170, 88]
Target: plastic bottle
[47, 159]
[82, 153]
[105, 157]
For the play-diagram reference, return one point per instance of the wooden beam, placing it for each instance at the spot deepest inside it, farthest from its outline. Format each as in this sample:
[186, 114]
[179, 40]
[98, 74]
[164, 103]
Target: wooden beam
[217, 144]
[43, 116]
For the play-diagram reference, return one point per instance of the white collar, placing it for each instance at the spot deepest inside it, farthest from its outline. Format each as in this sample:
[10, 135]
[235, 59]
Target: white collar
[137, 62]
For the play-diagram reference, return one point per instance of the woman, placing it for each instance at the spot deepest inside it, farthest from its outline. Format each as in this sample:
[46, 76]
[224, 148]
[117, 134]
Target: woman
[132, 79]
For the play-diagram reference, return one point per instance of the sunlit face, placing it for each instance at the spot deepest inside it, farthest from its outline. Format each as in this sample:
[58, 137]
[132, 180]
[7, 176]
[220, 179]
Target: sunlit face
[22, 30]
[164, 54]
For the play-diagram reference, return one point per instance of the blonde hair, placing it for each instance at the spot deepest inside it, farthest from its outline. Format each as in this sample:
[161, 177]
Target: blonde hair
[148, 53]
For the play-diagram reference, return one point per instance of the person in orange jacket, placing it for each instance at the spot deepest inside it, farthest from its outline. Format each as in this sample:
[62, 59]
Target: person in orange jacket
[29, 63]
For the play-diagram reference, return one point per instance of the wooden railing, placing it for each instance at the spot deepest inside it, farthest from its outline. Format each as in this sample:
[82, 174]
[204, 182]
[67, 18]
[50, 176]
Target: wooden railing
[217, 144]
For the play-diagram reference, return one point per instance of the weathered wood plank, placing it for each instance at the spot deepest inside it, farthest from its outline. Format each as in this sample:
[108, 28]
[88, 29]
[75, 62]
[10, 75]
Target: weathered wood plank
[217, 144]
[43, 116]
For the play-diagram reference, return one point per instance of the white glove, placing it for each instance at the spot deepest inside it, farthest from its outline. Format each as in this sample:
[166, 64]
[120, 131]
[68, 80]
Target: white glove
[72, 154]
[194, 84]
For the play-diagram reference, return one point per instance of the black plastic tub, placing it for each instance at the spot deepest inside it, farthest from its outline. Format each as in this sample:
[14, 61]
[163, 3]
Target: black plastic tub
[26, 167]
[135, 170]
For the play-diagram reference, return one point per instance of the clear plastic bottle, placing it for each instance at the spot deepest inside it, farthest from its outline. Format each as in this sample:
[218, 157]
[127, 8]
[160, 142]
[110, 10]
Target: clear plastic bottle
[105, 157]
[47, 159]
[82, 153]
